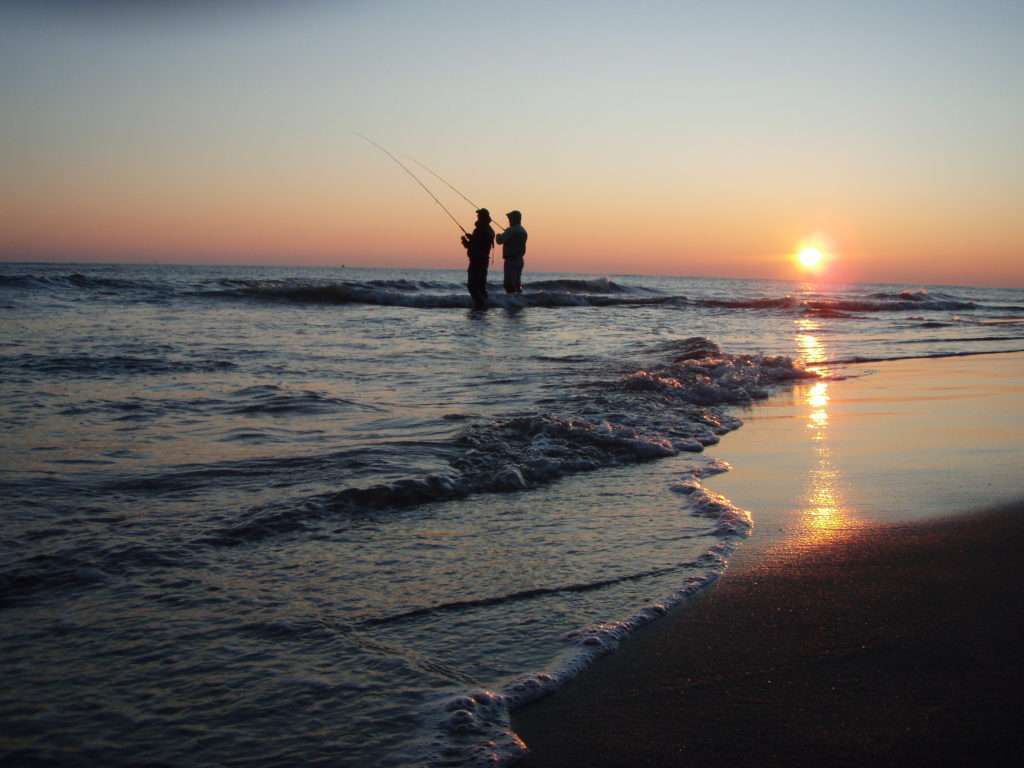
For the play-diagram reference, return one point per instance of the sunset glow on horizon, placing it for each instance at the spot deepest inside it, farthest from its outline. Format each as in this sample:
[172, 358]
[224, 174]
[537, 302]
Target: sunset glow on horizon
[670, 139]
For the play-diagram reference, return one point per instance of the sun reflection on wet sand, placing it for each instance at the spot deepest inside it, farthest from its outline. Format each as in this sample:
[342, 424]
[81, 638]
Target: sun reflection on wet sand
[824, 513]
[817, 398]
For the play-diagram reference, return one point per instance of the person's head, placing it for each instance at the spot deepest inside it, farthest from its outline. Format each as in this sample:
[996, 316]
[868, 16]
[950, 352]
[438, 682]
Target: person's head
[483, 216]
[514, 217]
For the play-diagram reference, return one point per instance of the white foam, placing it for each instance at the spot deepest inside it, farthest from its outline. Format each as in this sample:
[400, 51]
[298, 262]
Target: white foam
[701, 374]
[477, 724]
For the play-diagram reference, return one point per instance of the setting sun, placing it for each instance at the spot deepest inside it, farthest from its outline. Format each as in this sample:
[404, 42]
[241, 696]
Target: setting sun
[809, 256]
[813, 255]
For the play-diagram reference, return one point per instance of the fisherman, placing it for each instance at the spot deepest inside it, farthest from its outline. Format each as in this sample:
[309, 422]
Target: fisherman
[478, 247]
[513, 249]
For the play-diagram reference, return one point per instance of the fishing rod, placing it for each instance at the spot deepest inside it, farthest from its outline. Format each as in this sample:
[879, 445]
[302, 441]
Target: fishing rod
[443, 180]
[416, 179]
[451, 186]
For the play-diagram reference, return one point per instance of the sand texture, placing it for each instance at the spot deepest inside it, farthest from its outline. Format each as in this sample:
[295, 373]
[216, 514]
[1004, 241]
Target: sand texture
[894, 645]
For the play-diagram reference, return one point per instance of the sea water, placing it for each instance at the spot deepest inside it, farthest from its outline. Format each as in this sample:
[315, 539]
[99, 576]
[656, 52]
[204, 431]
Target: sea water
[298, 517]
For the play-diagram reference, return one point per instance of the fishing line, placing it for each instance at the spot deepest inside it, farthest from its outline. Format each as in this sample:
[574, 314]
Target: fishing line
[450, 186]
[444, 181]
[416, 179]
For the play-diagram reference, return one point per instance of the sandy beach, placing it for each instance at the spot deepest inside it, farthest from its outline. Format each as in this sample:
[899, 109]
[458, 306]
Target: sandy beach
[871, 617]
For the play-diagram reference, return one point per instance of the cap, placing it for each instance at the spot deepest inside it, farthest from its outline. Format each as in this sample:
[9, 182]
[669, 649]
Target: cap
[484, 213]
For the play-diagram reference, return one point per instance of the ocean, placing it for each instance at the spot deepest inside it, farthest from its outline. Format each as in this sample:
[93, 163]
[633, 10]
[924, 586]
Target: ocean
[277, 517]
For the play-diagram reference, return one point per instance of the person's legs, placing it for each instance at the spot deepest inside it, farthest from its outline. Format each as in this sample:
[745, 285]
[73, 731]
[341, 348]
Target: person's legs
[477, 284]
[513, 275]
[511, 283]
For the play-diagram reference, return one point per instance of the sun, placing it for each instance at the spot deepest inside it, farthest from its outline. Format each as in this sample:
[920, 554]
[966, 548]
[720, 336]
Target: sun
[813, 255]
[810, 257]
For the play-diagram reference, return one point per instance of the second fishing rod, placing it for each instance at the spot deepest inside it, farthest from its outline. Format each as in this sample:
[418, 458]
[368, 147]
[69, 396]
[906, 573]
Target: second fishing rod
[425, 188]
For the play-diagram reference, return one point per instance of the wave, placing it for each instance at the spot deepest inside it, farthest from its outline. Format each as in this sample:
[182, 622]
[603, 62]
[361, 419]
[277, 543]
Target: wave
[81, 567]
[871, 359]
[784, 302]
[526, 594]
[556, 292]
[109, 365]
[841, 307]
[895, 305]
[922, 295]
[255, 401]
[593, 285]
[408, 285]
[640, 415]
[535, 295]
[480, 716]
[79, 281]
[190, 479]
[729, 521]
[272, 399]
[21, 281]
[998, 321]
[827, 313]
[956, 340]
[106, 283]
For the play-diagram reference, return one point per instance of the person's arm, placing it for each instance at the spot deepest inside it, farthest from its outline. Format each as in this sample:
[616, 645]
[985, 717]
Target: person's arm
[478, 241]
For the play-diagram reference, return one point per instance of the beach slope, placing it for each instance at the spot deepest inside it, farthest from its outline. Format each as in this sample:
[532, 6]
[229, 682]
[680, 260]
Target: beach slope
[896, 644]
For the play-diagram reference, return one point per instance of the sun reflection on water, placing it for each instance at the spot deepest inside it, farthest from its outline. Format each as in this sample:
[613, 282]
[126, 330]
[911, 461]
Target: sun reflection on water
[812, 351]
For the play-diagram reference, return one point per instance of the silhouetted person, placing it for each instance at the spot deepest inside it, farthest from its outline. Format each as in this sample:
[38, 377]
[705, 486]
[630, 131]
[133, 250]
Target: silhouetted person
[513, 250]
[478, 246]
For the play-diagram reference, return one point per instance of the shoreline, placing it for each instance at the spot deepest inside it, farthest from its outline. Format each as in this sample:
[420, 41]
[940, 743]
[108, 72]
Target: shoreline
[869, 618]
[897, 644]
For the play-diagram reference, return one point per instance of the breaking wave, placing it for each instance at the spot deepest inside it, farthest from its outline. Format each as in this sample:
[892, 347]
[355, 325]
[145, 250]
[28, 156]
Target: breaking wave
[676, 406]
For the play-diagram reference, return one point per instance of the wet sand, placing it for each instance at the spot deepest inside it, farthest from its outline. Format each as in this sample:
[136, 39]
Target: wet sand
[872, 618]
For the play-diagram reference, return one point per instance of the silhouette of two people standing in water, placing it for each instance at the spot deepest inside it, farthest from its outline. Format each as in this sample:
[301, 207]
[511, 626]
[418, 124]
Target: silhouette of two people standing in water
[478, 245]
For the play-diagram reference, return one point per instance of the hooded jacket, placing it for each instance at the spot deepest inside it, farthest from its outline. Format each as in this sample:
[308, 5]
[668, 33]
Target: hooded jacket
[513, 242]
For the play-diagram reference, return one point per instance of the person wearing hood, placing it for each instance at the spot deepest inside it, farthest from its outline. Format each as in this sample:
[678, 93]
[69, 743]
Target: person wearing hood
[478, 245]
[513, 250]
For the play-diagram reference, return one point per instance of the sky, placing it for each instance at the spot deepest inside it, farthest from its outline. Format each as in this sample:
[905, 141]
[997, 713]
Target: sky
[644, 137]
